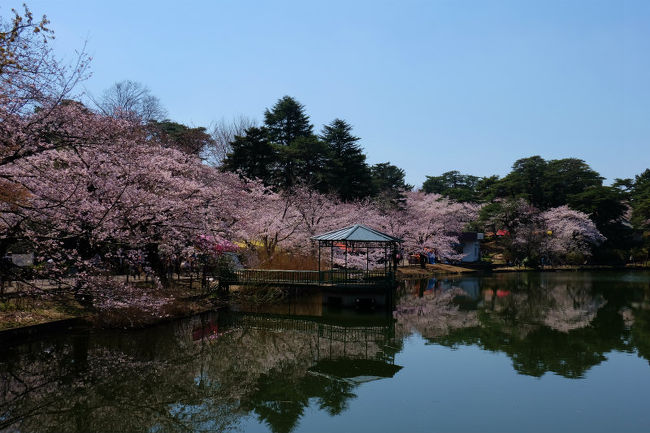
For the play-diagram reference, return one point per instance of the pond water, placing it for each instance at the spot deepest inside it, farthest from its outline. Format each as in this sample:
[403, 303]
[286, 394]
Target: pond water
[506, 352]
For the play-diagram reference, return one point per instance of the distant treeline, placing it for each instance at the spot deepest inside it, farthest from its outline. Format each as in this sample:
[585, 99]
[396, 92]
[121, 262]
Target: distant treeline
[621, 211]
[285, 151]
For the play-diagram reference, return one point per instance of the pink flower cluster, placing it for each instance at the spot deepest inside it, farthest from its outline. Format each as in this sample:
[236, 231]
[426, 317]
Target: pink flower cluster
[215, 245]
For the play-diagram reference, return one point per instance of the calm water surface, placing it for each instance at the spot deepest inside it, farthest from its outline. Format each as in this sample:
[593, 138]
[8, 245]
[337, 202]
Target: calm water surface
[506, 352]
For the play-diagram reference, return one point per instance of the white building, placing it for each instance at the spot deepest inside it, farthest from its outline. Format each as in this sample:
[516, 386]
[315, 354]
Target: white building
[471, 243]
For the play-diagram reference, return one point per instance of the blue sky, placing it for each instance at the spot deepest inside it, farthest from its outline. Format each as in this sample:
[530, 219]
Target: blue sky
[430, 86]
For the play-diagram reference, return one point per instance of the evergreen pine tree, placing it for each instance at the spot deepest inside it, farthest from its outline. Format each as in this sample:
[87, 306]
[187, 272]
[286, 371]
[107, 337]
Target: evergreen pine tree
[389, 184]
[287, 121]
[347, 174]
[304, 161]
[252, 155]
[291, 135]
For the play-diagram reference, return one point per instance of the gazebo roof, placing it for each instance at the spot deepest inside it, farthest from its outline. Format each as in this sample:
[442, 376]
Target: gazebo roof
[355, 370]
[356, 233]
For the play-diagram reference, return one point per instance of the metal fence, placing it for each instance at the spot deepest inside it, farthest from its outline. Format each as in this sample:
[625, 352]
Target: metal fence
[316, 278]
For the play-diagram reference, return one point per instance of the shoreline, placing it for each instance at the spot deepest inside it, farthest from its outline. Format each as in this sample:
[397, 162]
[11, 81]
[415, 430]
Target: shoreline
[185, 307]
[432, 270]
[192, 305]
[439, 269]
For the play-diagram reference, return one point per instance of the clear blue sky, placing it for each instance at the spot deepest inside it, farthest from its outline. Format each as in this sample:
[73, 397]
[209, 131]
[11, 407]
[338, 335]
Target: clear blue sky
[431, 86]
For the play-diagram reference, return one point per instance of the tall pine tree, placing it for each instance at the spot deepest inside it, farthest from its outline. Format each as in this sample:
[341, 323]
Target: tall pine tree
[252, 155]
[389, 184]
[347, 174]
[291, 135]
[287, 121]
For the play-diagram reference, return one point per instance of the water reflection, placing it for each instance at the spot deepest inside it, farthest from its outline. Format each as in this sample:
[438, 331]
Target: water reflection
[221, 371]
[198, 374]
[560, 323]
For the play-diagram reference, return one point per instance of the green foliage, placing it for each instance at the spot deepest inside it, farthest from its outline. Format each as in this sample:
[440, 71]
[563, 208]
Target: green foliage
[287, 121]
[453, 184]
[553, 183]
[566, 177]
[285, 152]
[289, 133]
[8, 305]
[348, 175]
[639, 193]
[545, 184]
[603, 204]
[532, 261]
[575, 258]
[487, 188]
[465, 187]
[389, 184]
[182, 137]
[526, 180]
[548, 184]
[252, 155]
[304, 160]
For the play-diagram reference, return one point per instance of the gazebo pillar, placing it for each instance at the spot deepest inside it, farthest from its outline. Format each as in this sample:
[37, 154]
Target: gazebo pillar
[367, 260]
[331, 261]
[320, 275]
[345, 274]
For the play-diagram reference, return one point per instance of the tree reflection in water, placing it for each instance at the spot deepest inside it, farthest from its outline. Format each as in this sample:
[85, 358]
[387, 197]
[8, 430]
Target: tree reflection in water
[211, 372]
[560, 323]
[198, 374]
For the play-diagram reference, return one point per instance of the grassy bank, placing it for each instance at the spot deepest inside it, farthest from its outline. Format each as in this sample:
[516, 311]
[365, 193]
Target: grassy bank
[21, 312]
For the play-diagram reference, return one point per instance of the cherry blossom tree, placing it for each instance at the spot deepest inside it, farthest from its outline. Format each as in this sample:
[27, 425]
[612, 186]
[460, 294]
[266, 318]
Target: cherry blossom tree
[288, 221]
[268, 220]
[320, 213]
[33, 85]
[116, 195]
[558, 234]
[568, 231]
[433, 222]
[35, 89]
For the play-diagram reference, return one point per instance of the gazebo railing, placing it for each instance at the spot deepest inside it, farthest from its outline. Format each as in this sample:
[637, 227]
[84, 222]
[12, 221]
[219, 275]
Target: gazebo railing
[335, 277]
[352, 276]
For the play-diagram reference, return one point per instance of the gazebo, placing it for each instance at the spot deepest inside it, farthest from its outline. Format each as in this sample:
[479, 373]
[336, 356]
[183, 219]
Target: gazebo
[357, 239]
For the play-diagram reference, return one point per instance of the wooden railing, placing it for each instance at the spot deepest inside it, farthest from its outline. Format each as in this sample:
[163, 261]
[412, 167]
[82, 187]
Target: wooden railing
[315, 278]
